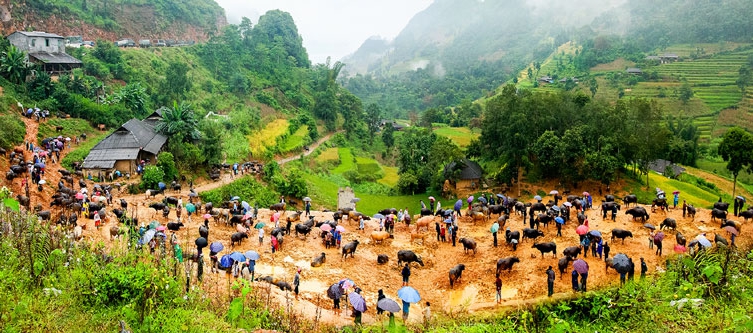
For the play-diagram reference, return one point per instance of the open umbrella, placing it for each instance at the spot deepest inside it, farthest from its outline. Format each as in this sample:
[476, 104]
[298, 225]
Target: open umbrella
[675, 192]
[495, 227]
[537, 198]
[659, 237]
[161, 228]
[703, 240]
[259, 225]
[621, 263]
[559, 220]
[581, 230]
[245, 205]
[251, 255]
[335, 291]
[580, 266]
[216, 247]
[325, 227]
[388, 305]
[306, 199]
[191, 208]
[567, 203]
[276, 216]
[42, 182]
[649, 226]
[458, 204]
[201, 242]
[731, 230]
[357, 301]
[378, 216]
[470, 198]
[346, 283]
[226, 261]
[585, 194]
[432, 198]
[235, 198]
[248, 216]
[740, 197]
[340, 228]
[39, 165]
[192, 194]
[409, 294]
[595, 233]
[447, 212]
[148, 235]
[500, 196]
[554, 192]
[207, 216]
[556, 209]
[237, 256]
[161, 186]
[482, 200]
[67, 139]
[153, 225]
[680, 249]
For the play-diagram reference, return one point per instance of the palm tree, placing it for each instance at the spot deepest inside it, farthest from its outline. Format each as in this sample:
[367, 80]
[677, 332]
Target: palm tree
[13, 65]
[179, 122]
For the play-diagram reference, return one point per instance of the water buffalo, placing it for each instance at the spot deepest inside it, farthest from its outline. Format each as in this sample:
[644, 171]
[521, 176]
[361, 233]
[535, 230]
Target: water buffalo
[319, 260]
[382, 259]
[379, 236]
[478, 217]
[747, 214]
[680, 239]
[170, 201]
[388, 211]
[630, 199]
[408, 256]
[174, 226]
[302, 229]
[608, 207]
[544, 219]
[638, 212]
[455, 274]
[621, 234]
[691, 211]
[350, 248]
[572, 251]
[468, 244]
[496, 209]
[513, 238]
[669, 223]
[718, 214]
[506, 264]
[562, 264]
[283, 285]
[520, 208]
[546, 247]
[237, 238]
[426, 212]
[277, 207]
[423, 222]
[721, 205]
[157, 206]
[532, 233]
[538, 207]
[114, 232]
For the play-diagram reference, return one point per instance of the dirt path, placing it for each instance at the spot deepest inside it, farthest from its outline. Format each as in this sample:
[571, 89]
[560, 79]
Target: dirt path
[722, 183]
[312, 148]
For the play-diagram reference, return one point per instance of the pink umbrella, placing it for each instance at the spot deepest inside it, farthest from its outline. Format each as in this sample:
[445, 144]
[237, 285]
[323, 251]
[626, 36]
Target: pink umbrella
[679, 248]
[431, 198]
[247, 216]
[276, 217]
[79, 195]
[585, 194]
[340, 228]
[206, 216]
[581, 230]
[470, 199]
[43, 153]
[161, 228]
[325, 227]
[731, 230]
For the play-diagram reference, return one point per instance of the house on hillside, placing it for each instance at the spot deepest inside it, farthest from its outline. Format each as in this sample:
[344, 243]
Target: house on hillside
[134, 141]
[44, 49]
[660, 166]
[669, 57]
[634, 71]
[546, 79]
[462, 175]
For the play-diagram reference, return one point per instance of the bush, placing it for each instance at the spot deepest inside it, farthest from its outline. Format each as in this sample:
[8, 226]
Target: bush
[166, 163]
[151, 178]
[13, 131]
[247, 188]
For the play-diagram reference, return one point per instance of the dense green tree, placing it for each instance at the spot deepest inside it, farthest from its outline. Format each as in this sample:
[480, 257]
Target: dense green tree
[745, 78]
[388, 135]
[13, 130]
[277, 28]
[179, 123]
[373, 119]
[211, 141]
[735, 149]
[166, 163]
[176, 83]
[133, 96]
[686, 93]
[13, 65]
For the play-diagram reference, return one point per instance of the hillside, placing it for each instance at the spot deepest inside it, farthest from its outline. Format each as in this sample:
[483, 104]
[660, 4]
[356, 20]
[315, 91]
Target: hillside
[190, 20]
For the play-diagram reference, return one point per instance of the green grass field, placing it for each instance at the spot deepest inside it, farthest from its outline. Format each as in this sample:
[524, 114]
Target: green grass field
[328, 155]
[461, 136]
[259, 140]
[71, 127]
[82, 150]
[720, 169]
[390, 176]
[346, 161]
[295, 141]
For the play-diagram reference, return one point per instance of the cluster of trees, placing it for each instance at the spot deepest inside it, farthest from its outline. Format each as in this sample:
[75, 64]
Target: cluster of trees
[465, 114]
[569, 136]
[422, 156]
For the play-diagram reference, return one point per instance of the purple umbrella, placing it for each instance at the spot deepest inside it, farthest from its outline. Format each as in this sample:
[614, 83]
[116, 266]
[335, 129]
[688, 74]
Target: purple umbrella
[580, 266]
[357, 301]
[334, 291]
[659, 237]
[216, 247]
[731, 230]
[458, 204]
[470, 199]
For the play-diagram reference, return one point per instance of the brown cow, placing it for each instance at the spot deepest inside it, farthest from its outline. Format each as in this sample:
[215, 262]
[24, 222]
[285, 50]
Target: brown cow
[379, 236]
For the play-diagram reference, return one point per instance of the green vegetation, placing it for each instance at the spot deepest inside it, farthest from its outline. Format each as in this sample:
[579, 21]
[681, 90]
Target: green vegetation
[72, 127]
[82, 150]
[13, 131]
[347, 161]
[245, 187]
[266, 137]
[461, 136]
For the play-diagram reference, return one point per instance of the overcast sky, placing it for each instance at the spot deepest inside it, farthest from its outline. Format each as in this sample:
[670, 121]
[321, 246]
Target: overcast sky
[333, 28]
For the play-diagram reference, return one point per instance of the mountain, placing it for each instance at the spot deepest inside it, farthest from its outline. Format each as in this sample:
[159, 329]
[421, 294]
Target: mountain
[136, 19]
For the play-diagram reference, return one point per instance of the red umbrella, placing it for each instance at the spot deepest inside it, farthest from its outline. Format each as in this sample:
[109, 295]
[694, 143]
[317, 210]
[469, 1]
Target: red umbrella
[581, 230]
[679, 248]
[731, 230]
[676, 192]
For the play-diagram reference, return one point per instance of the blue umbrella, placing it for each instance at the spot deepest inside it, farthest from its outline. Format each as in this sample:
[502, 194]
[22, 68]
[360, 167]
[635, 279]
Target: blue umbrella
[235, 198]
[556, 209]
[162, 186]
[458, 204]
[595, 233]
[357, 301]
[148, 235]
[245, 205]
[216, 247]
[447, 212]
[703, 240]
[226, 261]
[409, 294]
[559, 220]
[190, 208]
[482, 199]
[237, 256]
[252, 255]
[378, 216]
[335, 291]
[39, 165]
[537, 198]
[499, 195]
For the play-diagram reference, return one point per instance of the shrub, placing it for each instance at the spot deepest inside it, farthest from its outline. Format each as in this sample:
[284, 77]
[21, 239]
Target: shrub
[166, 163]
[13, 130]
[151, 178]
[247, 188]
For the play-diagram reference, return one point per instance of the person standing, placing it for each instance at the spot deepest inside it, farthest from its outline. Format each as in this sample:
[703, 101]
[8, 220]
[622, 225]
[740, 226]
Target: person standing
[550, 281]
[658, 243]
[251, 268]
[644, 268]
[676, 199]
[431, 204]
[406, 274]
[651, 239]
[583, 279]
[406, 310]
[498, 286]
[494, 229]
[576, 286]
[454, 233]
[360, 222]
[443, 234]
[400, 215]
[357, 313]
[559, 228]
[593, 248]
[273, 242]
[439, 231]
[296, 282]
[606, 251]
[261, 236]
[427, 313]
[308, 208]
[631, 269]
[684, 208]
[379, 298]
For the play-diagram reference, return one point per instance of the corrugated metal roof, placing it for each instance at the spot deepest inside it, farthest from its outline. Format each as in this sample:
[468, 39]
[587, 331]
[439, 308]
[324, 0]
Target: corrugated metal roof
[126, 142]
[38, 34]
[155, 145]
[98, 164]
[113, 154]
[54, 58]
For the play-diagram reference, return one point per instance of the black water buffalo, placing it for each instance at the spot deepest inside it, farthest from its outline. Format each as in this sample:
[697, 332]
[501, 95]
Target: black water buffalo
[718, 214]
[319, 260]
[468, 244]
[691, 211]
[350, 248]
[546, 247]
[387, 211]
[538, 207]
[572, 251]
[609, 207]
[513, 238]
[455, 274]
[680, 239]
[382, 259]
[302, 229]
[747, 214]
[621, 234]
[408, 256]
[170, 201]
[532, 233]
[562, 264]
[669, 223]
[721, 205]
[237, 238]
[638, 212]
[630, 199]
[506, 264]
[496, 209]
[174, 226]
[277, 207]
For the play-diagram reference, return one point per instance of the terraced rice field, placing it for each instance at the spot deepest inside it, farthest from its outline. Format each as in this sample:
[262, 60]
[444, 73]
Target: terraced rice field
[329, 154]
[346, 161]
[259, 140]
[461, 136]
[295, 141]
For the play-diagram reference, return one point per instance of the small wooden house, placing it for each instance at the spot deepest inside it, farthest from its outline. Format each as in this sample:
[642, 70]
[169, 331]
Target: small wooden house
[44, 49]
[464, 174]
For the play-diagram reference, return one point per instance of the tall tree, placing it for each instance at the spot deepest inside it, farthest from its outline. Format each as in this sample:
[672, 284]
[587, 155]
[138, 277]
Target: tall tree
[735, 149]
[179, 123]
[13, 65]
[373, 119]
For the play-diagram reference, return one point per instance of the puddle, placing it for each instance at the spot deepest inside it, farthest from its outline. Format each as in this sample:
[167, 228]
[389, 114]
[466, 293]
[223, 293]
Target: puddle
[261, 270]
[313, 286]
[508, 293]
[460, 299]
